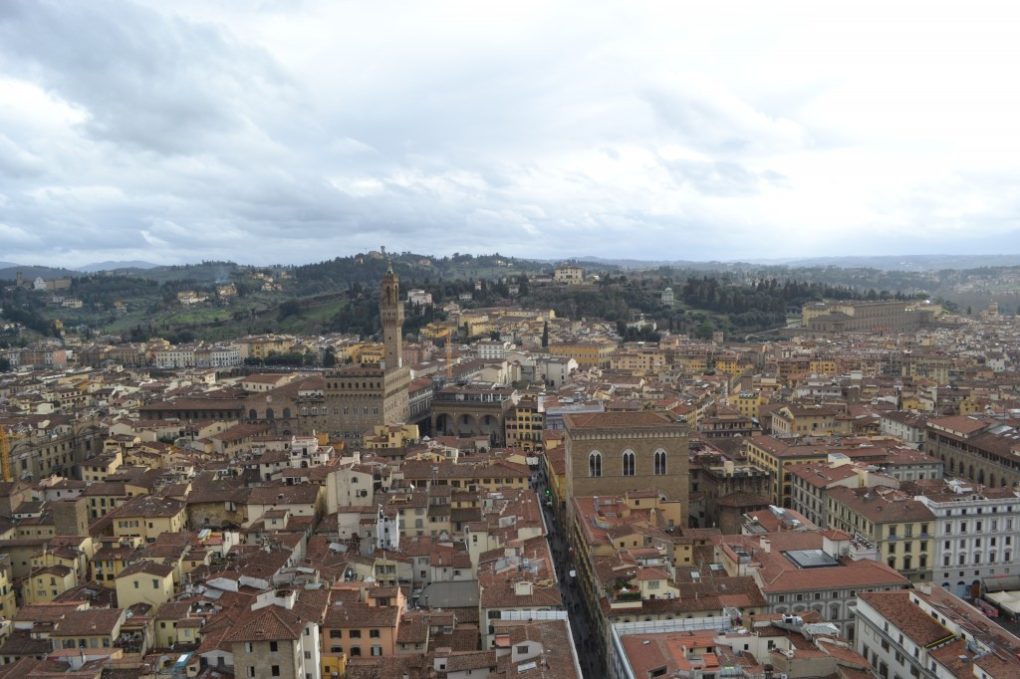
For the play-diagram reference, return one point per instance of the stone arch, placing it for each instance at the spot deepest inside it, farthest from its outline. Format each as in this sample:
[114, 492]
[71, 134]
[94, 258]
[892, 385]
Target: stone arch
[253, 414]
[466, 424]
[270, 415]
[286, 413]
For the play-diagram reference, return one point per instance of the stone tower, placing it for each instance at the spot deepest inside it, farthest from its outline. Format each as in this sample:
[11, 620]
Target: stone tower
[391, 313]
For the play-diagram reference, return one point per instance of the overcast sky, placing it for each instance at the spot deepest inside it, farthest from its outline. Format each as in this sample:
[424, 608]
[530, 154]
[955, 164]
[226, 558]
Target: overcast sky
[181, 131]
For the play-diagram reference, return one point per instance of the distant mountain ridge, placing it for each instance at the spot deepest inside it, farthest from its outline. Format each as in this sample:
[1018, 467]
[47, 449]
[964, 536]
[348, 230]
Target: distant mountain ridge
[221, 271]
[116, 266]
[879, 262]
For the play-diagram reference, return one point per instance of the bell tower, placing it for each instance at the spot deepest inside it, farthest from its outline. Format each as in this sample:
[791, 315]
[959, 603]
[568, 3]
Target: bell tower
[391, 313]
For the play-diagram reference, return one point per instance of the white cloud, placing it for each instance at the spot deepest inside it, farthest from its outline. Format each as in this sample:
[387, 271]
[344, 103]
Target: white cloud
[190, 130]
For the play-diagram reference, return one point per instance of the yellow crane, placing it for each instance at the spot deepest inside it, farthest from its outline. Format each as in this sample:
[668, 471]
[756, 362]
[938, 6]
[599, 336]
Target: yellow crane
[5, 456]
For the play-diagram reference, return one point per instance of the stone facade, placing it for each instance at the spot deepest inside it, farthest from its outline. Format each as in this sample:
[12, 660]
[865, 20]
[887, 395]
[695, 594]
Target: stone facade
[357, 398]
[612, 453]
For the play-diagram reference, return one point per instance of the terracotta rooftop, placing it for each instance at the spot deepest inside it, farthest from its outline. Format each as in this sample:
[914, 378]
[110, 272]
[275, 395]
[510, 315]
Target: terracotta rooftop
[271, 623]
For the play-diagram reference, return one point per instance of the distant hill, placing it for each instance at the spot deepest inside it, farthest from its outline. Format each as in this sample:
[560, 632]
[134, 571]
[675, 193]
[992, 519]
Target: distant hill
[904, 262]
[116, 266]
[30, 272]
[643, 265]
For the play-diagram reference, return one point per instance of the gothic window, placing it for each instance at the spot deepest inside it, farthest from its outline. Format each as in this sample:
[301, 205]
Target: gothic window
[660, 462]
[595, 463]
[628, 463]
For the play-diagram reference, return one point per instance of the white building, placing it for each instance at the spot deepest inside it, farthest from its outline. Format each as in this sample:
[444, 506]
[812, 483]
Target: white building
[571, 275]
[908, 427]
[491, 350]
[419, 298]
[927, 632]
[175, 357]
[976, 533]
[218, 357]
[387, 530]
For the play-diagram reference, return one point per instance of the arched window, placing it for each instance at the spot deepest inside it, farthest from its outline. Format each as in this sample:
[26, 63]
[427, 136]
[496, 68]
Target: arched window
[252, 415]
[269, 414]
[286, 413]
[628, 463]
[660, 462]
[595, 463]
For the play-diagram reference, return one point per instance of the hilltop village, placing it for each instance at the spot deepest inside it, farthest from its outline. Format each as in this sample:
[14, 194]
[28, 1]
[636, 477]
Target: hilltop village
[510, 493]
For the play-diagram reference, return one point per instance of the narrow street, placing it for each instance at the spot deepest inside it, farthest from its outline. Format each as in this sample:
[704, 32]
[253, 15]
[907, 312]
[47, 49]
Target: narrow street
[588, 647]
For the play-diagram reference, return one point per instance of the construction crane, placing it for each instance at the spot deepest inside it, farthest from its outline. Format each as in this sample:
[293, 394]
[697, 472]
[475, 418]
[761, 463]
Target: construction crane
[5, 456]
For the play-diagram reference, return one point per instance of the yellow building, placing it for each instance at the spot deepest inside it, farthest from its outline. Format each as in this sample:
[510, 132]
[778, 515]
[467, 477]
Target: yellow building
[797, 420]
[103, 497]
[47, 583]
[88, 628]
[148, 517]
[8, 603]
[145, 582]
[388, 436]
[747, 403]
[728, 364]
[823, 366]
[261, 347]
[173, 625]
[98, 468]
[778, 457]
[362, 622]
[113, 557]
[900, 527]
[367, 353]
[693, 364]
[638, 361]
[476, 324]
[587, 354]
[524, 425]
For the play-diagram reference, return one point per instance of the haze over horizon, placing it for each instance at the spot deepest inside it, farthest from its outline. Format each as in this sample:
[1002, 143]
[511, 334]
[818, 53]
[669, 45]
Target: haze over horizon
[295, 132]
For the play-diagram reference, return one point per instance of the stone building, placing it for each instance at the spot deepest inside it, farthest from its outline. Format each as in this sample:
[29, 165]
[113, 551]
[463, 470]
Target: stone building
[357, 398]
[615, 452]
[474, 410]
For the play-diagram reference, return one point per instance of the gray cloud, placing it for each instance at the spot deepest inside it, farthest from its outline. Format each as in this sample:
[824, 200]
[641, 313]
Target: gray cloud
[294, 132]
